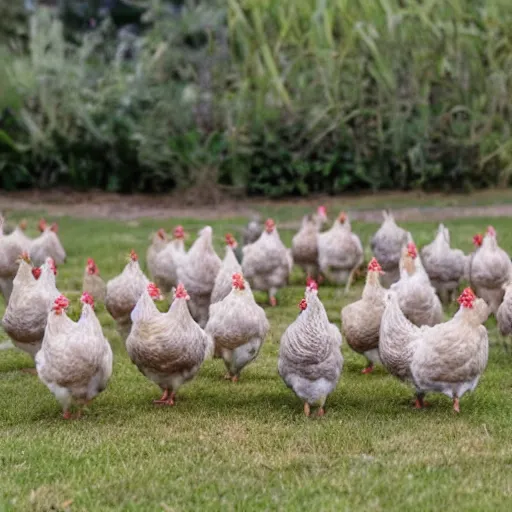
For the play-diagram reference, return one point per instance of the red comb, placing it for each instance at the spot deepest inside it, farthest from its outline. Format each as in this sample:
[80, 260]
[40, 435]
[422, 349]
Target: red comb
[491, 231]
[179, 232]
[181, 293]
[478, 240]
[133, 256]
[36, 272]
[411, 250]
[230, 240]
[42, 225]
[374, 266]
[238, 281]
[467, 298]
[342, 217]
[321, 210]
[311, 284]
[154, 291]
[87, 298]
[60, 304]
[92, 268]
[303, 304]
[270, 225]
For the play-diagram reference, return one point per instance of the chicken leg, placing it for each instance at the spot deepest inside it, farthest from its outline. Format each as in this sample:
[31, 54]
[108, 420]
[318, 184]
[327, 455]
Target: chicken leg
[167, 398]
[368, 369]
[307, 409]
[456, 405]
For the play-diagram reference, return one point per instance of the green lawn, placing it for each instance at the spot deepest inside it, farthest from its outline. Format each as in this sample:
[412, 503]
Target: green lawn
[248, 446]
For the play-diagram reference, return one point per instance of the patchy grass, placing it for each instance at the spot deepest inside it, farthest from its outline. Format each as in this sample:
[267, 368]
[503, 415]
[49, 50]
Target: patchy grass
[247, 446]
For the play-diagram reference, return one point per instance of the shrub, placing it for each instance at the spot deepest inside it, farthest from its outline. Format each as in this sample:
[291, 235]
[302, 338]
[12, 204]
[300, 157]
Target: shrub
[279, 98]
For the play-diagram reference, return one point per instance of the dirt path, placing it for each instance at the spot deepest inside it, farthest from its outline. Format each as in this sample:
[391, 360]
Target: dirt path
[118, 207]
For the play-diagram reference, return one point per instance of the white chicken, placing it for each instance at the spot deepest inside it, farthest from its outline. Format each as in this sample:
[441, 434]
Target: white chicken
[489, 270]
[360, 321]
[223, 282]
[310, 360]
[267, 263]
[444, 265]
[386, 246]
[448, 358]
[168, 348]
[75, 360]
[47, 245]
[197, 271]
[92, 282]
[33, 294]
[168, 259]
[123, 292]
[305, 243]
[238, 327]
[158, 243]
[417, 298]
[340, 252]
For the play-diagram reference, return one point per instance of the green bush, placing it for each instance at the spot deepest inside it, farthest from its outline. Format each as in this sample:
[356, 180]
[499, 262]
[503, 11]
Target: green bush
[277, 98]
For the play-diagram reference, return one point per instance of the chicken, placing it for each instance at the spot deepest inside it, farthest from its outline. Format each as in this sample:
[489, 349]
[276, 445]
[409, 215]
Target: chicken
[47, 245]
[11, 246]
[123, 292]
[448, 358]
[340, 252]
[253, 230]
[19, 236]
[197, 272]
[267, 263]
[444, 265]
[489, 270]
[238, 327]
[167, 260]
[223, 282]
[158, 244]
[310, 360]
[386, 246]
[27, 312]
[75, 360]
[504, 314]
[93, 284]
[360, 321]
[417, 298]
[305, 245]
[168, 348]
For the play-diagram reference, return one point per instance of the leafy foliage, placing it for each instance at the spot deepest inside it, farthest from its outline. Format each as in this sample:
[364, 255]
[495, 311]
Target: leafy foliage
[281, 98]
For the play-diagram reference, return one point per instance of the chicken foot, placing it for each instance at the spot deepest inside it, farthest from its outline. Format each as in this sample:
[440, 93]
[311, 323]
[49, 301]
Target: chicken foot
[420, 402]
[272, 297]
[166, 399]
[368, 369]
[456, 405]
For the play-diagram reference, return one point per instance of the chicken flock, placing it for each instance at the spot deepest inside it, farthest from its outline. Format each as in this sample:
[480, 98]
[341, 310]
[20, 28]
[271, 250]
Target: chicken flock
[397, 322]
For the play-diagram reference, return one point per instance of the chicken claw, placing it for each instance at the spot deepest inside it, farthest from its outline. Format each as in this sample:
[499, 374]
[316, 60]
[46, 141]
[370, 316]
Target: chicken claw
[166, 399]
[368, 369]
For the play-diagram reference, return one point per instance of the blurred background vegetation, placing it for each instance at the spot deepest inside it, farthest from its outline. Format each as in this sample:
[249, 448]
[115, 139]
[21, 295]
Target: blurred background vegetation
[264, 97]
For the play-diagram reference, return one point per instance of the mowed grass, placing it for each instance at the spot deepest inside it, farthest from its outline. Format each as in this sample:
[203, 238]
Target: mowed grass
[248, 446]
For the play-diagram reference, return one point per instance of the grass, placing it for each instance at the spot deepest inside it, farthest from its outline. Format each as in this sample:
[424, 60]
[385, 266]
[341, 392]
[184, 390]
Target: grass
[248, 446]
